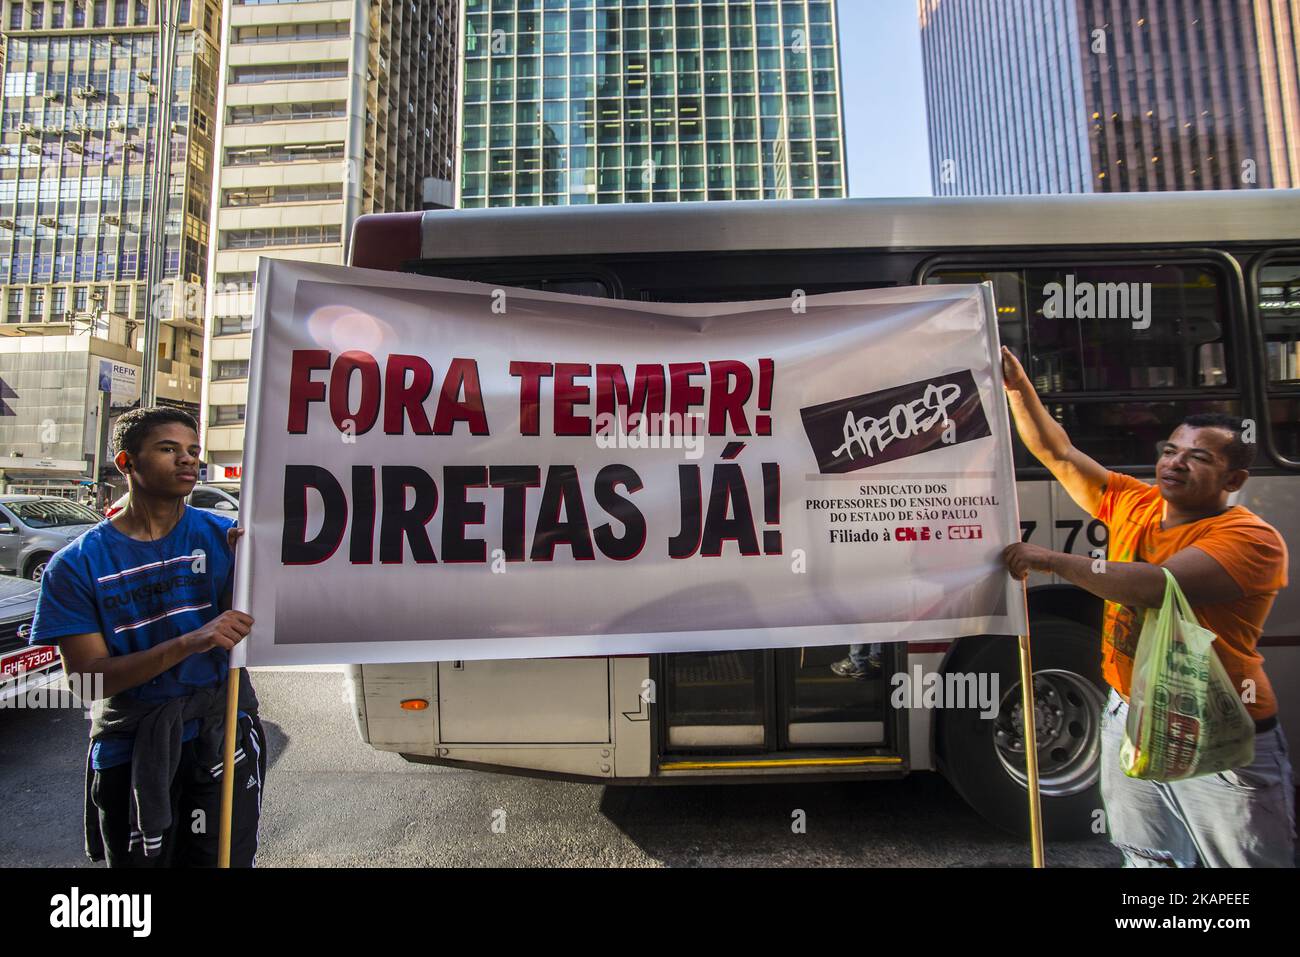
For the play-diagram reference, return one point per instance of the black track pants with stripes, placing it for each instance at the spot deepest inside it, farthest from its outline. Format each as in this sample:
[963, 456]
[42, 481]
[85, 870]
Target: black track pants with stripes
[191, 841]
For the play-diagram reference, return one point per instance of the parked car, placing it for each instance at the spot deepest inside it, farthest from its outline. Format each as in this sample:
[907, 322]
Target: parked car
[222, 499]
[34, 527]
[39, 664]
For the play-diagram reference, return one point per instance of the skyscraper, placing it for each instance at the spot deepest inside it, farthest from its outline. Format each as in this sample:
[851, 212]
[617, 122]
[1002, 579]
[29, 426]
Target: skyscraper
[80, 114]
[612, 101]
[1030, 96]
[328, 110]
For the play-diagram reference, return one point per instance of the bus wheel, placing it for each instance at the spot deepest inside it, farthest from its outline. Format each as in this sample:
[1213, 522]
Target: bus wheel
[984, 757]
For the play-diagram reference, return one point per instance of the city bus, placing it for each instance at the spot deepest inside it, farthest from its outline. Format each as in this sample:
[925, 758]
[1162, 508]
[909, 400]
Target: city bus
[1221, 333]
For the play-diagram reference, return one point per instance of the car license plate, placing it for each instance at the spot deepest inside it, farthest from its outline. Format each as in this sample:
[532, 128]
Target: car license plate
[29, 659]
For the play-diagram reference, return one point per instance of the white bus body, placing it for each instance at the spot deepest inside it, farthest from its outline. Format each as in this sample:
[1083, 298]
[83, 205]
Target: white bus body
[1217, 261]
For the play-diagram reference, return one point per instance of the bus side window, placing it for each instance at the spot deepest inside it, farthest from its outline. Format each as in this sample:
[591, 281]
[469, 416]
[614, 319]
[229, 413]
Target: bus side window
[1278, 299]
[568, 285]
[1118, 352]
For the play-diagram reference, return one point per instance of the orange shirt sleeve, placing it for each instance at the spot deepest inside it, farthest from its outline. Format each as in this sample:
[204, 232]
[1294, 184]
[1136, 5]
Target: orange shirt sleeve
[1251, 552]
[1122, 493]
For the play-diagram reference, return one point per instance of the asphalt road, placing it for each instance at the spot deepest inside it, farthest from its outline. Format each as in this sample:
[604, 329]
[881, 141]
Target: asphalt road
[333, 802]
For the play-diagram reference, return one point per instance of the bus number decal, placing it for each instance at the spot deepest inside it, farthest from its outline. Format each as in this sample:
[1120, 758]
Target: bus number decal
[1074, 525]
[1096, 533]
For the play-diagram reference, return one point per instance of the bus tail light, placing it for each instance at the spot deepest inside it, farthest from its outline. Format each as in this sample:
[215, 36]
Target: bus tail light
[386, 240]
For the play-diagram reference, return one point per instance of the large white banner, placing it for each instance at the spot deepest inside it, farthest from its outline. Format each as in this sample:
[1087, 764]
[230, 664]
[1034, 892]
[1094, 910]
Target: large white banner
[442, 470]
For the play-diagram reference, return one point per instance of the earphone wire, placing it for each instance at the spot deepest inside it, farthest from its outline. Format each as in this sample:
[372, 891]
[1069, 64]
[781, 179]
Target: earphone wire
[161, 570]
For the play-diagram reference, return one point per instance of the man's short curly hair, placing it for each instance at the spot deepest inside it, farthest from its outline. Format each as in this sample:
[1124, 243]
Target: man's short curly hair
[1240, 453]
[132, 427]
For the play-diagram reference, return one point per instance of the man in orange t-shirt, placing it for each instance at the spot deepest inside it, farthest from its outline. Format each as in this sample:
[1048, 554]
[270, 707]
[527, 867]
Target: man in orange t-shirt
[1248, 548]
[1230, 564]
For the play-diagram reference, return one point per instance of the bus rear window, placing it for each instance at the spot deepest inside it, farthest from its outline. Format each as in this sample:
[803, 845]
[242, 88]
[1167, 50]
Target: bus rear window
[493, 274]
[1112, 328]
[1279, 316]
[1120, 353]
[1279, 313]
[1123, 433]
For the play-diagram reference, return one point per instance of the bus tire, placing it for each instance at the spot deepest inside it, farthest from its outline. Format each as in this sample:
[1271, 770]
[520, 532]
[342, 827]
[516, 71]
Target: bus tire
[979, 756]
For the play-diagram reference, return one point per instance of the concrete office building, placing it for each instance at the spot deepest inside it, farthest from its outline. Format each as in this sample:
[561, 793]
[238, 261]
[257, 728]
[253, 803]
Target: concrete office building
[1044, 96]
[614, 101]
[328, 109]
[80, 113]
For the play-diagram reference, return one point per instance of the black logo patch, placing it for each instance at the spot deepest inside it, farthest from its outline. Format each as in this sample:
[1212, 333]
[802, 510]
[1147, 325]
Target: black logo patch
[866, 430]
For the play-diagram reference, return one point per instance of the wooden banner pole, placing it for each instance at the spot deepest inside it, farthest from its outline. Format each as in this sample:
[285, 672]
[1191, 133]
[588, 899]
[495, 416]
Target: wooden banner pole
[228, 768]
[1031, 748]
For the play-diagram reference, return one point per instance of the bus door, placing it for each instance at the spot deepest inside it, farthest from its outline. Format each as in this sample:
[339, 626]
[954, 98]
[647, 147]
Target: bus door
[783, 699]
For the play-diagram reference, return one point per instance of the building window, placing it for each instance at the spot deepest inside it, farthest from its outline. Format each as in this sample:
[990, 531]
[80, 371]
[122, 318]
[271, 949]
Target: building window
[284, 72]
[230, 369]
[288, 32]
[233, 325]
[270, 195]
[227, 414]
[259, 155]
[279, 112]
[243, 281]
[280, 236]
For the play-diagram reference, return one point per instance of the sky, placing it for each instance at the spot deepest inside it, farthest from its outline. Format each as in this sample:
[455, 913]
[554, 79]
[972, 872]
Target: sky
[884, 98]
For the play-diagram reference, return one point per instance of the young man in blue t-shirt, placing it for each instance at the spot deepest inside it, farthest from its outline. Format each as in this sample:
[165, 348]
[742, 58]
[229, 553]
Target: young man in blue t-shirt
[142, 602]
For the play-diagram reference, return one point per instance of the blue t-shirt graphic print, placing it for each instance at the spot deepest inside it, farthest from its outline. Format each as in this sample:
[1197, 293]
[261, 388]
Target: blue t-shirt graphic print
[140, 594]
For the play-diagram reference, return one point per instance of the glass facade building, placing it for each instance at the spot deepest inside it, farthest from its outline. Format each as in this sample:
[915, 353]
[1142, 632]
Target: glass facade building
[1190, 94]
[613, 101]
[1111, 95]
[77, 137]
[79, 117]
